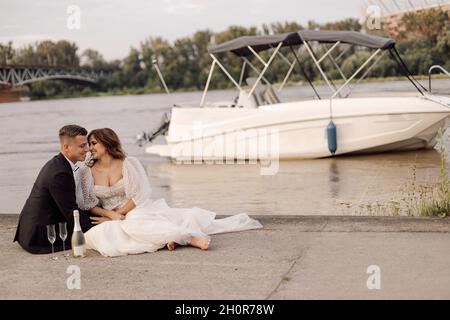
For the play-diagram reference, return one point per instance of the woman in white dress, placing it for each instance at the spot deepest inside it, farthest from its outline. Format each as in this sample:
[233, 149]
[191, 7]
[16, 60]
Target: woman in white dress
[116, 190]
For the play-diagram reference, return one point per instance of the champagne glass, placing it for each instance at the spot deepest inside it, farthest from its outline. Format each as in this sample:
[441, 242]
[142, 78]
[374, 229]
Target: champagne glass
[63, 236]
[51, 236]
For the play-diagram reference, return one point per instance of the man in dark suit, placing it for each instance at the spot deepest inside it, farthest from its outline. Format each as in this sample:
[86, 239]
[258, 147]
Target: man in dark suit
[52, 197]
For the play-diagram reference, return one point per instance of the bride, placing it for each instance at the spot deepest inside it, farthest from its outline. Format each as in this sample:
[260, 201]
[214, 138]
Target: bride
[115, 189]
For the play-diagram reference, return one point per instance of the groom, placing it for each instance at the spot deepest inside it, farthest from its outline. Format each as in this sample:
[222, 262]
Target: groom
[52, 198]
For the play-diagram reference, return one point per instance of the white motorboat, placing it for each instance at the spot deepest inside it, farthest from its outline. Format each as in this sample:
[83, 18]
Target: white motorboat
[258, 125]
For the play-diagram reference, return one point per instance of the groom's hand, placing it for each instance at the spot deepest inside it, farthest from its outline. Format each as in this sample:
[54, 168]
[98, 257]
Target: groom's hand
[114, 215]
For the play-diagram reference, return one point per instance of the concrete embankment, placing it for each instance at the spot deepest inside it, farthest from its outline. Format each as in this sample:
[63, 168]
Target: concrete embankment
[295, 257]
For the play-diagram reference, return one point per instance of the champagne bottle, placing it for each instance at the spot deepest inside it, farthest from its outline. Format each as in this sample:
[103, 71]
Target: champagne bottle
[78, 241]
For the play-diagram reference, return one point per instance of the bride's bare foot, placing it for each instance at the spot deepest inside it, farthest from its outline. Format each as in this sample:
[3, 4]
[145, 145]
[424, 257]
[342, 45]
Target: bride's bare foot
[201, 243]
[171, 246]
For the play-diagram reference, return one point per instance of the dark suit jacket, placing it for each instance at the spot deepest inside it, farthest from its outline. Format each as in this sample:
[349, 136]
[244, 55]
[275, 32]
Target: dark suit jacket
[52, 200]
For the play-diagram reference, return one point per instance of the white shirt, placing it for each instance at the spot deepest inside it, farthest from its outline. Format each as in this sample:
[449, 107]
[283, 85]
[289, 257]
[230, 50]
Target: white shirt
[73, 166]
[75, 174]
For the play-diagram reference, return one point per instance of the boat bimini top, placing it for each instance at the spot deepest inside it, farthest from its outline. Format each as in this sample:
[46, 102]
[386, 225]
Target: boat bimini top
[247, 46]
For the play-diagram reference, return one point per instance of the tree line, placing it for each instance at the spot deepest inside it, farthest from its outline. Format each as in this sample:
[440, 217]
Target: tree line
[423, 41]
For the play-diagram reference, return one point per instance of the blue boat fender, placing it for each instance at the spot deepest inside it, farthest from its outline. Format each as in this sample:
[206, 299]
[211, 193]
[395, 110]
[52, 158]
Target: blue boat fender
[332, 137]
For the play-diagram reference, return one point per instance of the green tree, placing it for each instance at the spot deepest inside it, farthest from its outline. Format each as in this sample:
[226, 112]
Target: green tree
[65, 53]
[344, 25]
[185, 63]
[133, 75]
[46, 53]
[352, 63]
[201, 41]
[440, 53]
[93, 59]
[155, 49]
[426, 24]
[6, 53]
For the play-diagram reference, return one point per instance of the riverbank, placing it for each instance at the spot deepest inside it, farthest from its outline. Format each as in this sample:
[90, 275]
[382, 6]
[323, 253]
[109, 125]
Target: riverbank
[8, 94]
[295, 257]
[87, 92]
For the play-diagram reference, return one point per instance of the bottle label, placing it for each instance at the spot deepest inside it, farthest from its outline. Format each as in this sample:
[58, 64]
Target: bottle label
[78, 251]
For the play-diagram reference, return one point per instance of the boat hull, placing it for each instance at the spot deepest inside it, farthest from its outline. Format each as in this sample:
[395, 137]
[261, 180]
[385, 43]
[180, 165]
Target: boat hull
[298, 129]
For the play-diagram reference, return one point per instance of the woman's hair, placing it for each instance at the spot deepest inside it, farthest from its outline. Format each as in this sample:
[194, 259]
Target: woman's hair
[110, 140]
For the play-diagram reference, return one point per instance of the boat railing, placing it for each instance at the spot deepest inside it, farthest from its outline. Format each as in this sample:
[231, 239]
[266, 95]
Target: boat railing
[160, 75]
[438, 67]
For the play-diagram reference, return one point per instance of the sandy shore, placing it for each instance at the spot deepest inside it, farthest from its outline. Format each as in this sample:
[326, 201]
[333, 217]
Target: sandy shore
[291, 258]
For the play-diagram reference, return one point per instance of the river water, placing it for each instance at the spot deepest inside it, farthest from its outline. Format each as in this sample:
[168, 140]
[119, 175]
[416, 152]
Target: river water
[381, 184]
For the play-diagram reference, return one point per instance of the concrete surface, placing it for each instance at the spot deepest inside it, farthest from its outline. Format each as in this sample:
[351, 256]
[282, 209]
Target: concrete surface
[293, 257]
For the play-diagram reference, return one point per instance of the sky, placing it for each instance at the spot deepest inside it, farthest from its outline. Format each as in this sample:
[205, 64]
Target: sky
[113, 26]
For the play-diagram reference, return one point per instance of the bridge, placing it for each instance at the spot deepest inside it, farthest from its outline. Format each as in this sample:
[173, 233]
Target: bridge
[399, 7]
[17, 75]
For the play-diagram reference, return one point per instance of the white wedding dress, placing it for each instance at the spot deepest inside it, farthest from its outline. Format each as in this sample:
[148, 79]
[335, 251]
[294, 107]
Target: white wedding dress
[152, 224]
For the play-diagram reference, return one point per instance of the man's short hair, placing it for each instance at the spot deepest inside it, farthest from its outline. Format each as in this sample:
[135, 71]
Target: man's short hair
[71, 131]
